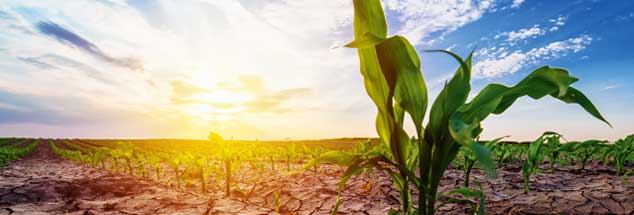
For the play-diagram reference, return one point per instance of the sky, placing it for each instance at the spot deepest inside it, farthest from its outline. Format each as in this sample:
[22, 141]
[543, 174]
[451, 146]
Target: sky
[260, 69]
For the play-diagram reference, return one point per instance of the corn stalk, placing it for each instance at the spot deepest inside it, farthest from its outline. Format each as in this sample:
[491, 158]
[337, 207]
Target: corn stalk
[392, 77]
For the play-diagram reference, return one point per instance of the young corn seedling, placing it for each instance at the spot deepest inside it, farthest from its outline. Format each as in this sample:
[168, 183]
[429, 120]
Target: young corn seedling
[231, 160]
[201, 166]
[142, 161]
[621, 151]
[535, 156]
[273, 158]
[587, 149]
[470, 159]
[229, 157]
[102, 153]
[115, 154]
[504, 153]
[127, 153]
[175, 163]
[555, 148]
[392, 77]
[155, 162]
[290, 155]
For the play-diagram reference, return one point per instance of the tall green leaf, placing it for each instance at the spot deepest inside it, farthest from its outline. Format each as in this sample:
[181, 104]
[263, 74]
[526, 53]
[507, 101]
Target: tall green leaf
[401, 67]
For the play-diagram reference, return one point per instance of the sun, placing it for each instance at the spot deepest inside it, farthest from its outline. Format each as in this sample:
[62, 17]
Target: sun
[217, 105]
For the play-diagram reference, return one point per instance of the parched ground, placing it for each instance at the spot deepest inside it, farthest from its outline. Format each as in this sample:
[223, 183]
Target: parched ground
[44, 183]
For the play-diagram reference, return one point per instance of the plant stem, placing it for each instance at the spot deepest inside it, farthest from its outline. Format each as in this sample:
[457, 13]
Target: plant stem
[228, 178]
[468, 173]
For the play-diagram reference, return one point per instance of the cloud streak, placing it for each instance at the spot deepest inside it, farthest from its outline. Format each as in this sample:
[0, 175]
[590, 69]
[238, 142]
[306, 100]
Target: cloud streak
[67, 37]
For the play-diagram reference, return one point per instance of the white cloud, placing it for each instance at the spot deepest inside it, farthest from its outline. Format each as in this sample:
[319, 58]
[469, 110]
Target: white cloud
[557, 23]
[517, 3]
[492, 67]
[521, 34]
[497, 62]
[514, 37]
[421, 18]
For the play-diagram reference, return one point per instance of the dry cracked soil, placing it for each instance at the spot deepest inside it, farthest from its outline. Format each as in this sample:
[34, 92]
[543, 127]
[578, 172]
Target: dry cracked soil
[44, 183]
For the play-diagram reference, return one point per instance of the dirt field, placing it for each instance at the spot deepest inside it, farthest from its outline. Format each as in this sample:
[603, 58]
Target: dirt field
[44, 183]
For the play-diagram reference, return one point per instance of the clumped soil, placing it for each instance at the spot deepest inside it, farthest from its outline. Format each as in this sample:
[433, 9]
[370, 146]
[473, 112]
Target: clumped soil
[44, 183]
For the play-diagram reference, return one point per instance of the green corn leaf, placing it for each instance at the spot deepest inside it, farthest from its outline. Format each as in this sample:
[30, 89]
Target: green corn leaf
[399, 114]
[369, 18]
[534, 150]
[334, 157]
[496, 98]
[569, 147]
[575, 96]
[452, 96]
[373, 79]
[377, 88]
[385, 126]
[483, 155]
[353, 169]
[401, 66]
[462, 132]
[335, 208]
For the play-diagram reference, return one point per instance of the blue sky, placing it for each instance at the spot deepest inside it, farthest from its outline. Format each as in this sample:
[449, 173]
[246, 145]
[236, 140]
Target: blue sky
[274, 69]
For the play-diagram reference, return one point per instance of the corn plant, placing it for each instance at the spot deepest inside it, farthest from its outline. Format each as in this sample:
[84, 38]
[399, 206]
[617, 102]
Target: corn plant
[621, 151]
[175, 163]
[586, 149]
[291, 154]
[229, 157]
[273, 157]
[392, 77]
[141, 159]
[555, 148]
[231, 160]
[126, 151]
[469, 159]
[534, 158]
[155, 162]
[505, 153]
[201, 166]
[115, 154]
[553, 145]
[100, 154]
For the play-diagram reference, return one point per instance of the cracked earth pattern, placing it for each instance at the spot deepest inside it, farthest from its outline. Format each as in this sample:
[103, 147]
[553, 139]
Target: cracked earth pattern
[44, 183]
